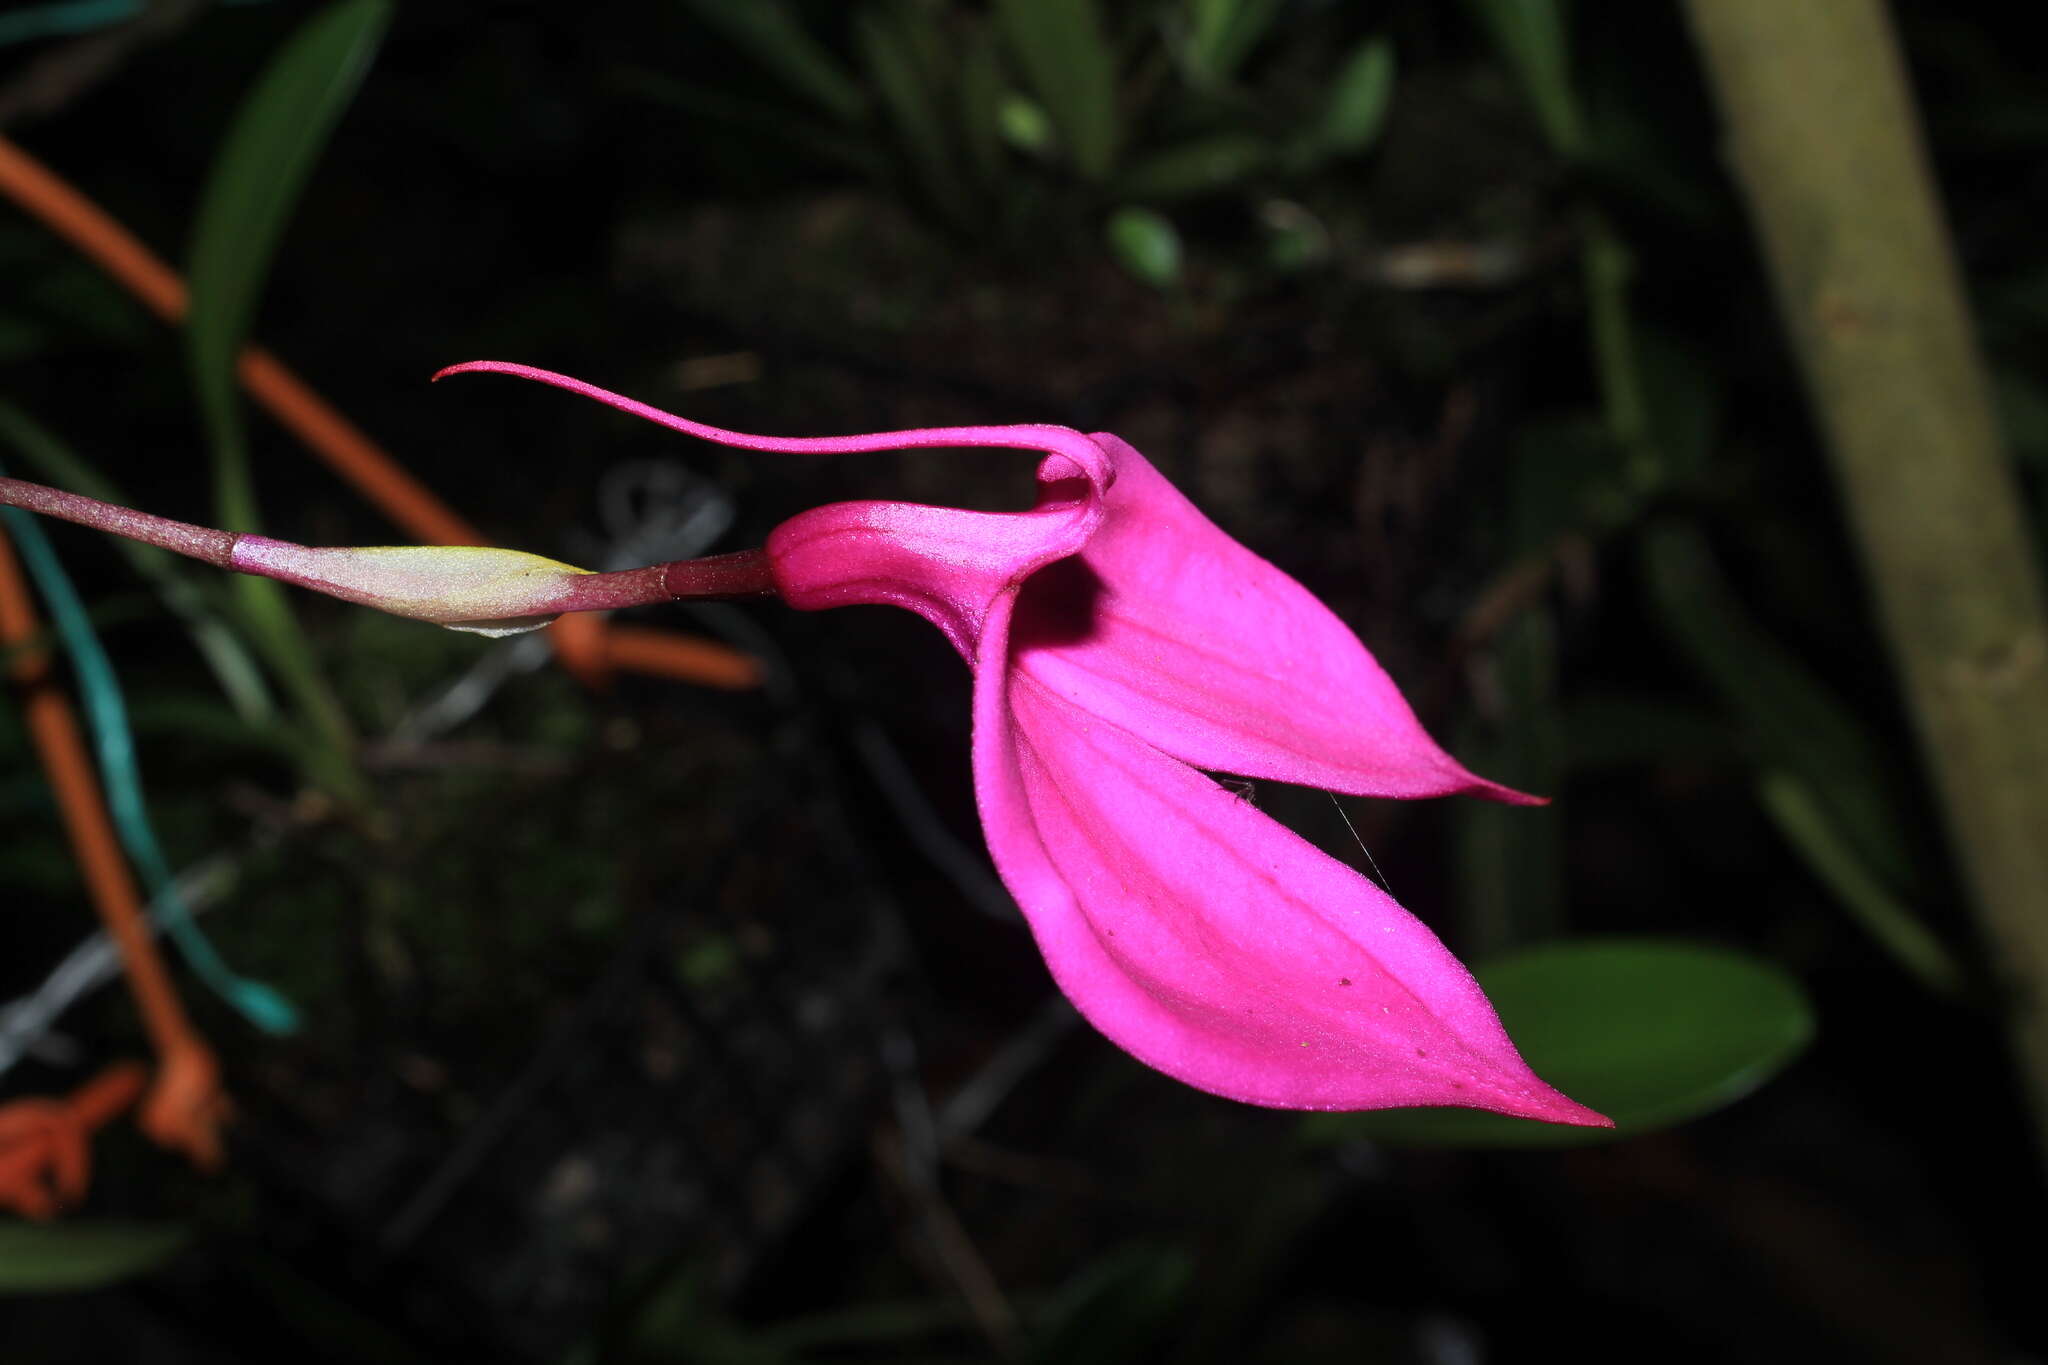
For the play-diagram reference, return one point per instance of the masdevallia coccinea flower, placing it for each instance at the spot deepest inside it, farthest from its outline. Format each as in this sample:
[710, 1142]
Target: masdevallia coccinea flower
[1121, 644]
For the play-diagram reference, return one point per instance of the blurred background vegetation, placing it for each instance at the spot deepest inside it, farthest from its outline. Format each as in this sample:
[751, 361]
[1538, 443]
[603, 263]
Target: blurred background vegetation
[666, 1022]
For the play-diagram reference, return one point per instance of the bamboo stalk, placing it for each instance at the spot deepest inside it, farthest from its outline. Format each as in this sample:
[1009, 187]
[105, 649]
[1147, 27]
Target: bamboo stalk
[1825, 142]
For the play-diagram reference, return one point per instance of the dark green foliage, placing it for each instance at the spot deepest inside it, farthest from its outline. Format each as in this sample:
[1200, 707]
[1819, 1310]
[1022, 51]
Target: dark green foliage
[609, 995]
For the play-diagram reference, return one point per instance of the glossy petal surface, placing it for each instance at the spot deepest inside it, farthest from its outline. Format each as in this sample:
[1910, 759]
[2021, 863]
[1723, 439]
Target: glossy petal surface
[946, 564]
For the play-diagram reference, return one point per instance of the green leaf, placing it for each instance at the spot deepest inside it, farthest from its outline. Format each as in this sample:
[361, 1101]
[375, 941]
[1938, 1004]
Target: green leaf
[1065, 55]
[853, 150]
[1650, 1032]
[772, 35]
[895, 53]
[1145, 244]
[1804, 822]
[1607, 267]
[1510, 858]
[48, 1258]
[1024, 124]
[1683, 405]
[1356, 108]
[264, 161]
[1797, 722]
[1222, 33]
[1531, 36]
[1201, 166]
[262, 166]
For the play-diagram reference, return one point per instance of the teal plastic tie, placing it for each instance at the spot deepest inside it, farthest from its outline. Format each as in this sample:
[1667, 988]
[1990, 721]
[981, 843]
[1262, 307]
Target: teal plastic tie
[71, 17]
[114, 740]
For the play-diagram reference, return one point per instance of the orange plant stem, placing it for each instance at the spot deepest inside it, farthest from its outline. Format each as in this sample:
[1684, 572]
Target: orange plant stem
[332, 437]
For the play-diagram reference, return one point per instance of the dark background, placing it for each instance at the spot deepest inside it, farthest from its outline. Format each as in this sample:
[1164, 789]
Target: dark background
[629, 1014]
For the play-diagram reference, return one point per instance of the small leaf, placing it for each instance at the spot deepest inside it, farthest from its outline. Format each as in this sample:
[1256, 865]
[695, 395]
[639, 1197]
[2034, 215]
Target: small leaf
[1067, 58]
[1024, 123]
[1198, 167]
[1356, 108]
[1145, 244]
[1651, 1032]
[46, 1258]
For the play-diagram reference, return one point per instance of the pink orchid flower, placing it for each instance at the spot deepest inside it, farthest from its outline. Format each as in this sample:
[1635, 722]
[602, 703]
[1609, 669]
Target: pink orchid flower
[1120, 643]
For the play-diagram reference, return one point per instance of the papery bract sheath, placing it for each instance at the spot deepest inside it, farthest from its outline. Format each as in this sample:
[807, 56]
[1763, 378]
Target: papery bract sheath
[473, 588]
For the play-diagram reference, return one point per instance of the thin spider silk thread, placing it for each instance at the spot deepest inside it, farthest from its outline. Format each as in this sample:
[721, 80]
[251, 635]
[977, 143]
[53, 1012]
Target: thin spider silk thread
[114, 743]
[1345, 816]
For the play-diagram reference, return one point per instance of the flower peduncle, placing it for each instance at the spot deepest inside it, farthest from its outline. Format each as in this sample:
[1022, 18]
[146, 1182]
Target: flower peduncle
[464, 587]
[714, 578]
[198, 542]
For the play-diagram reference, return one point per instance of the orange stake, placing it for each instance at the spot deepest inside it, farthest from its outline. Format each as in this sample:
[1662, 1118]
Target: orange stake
[589, 654]
[186, 1106]
[46, 1145]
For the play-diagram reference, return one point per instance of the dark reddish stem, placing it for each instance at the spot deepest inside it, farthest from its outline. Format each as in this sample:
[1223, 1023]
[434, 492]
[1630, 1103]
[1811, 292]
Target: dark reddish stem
[200, 542]
[742, 574]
